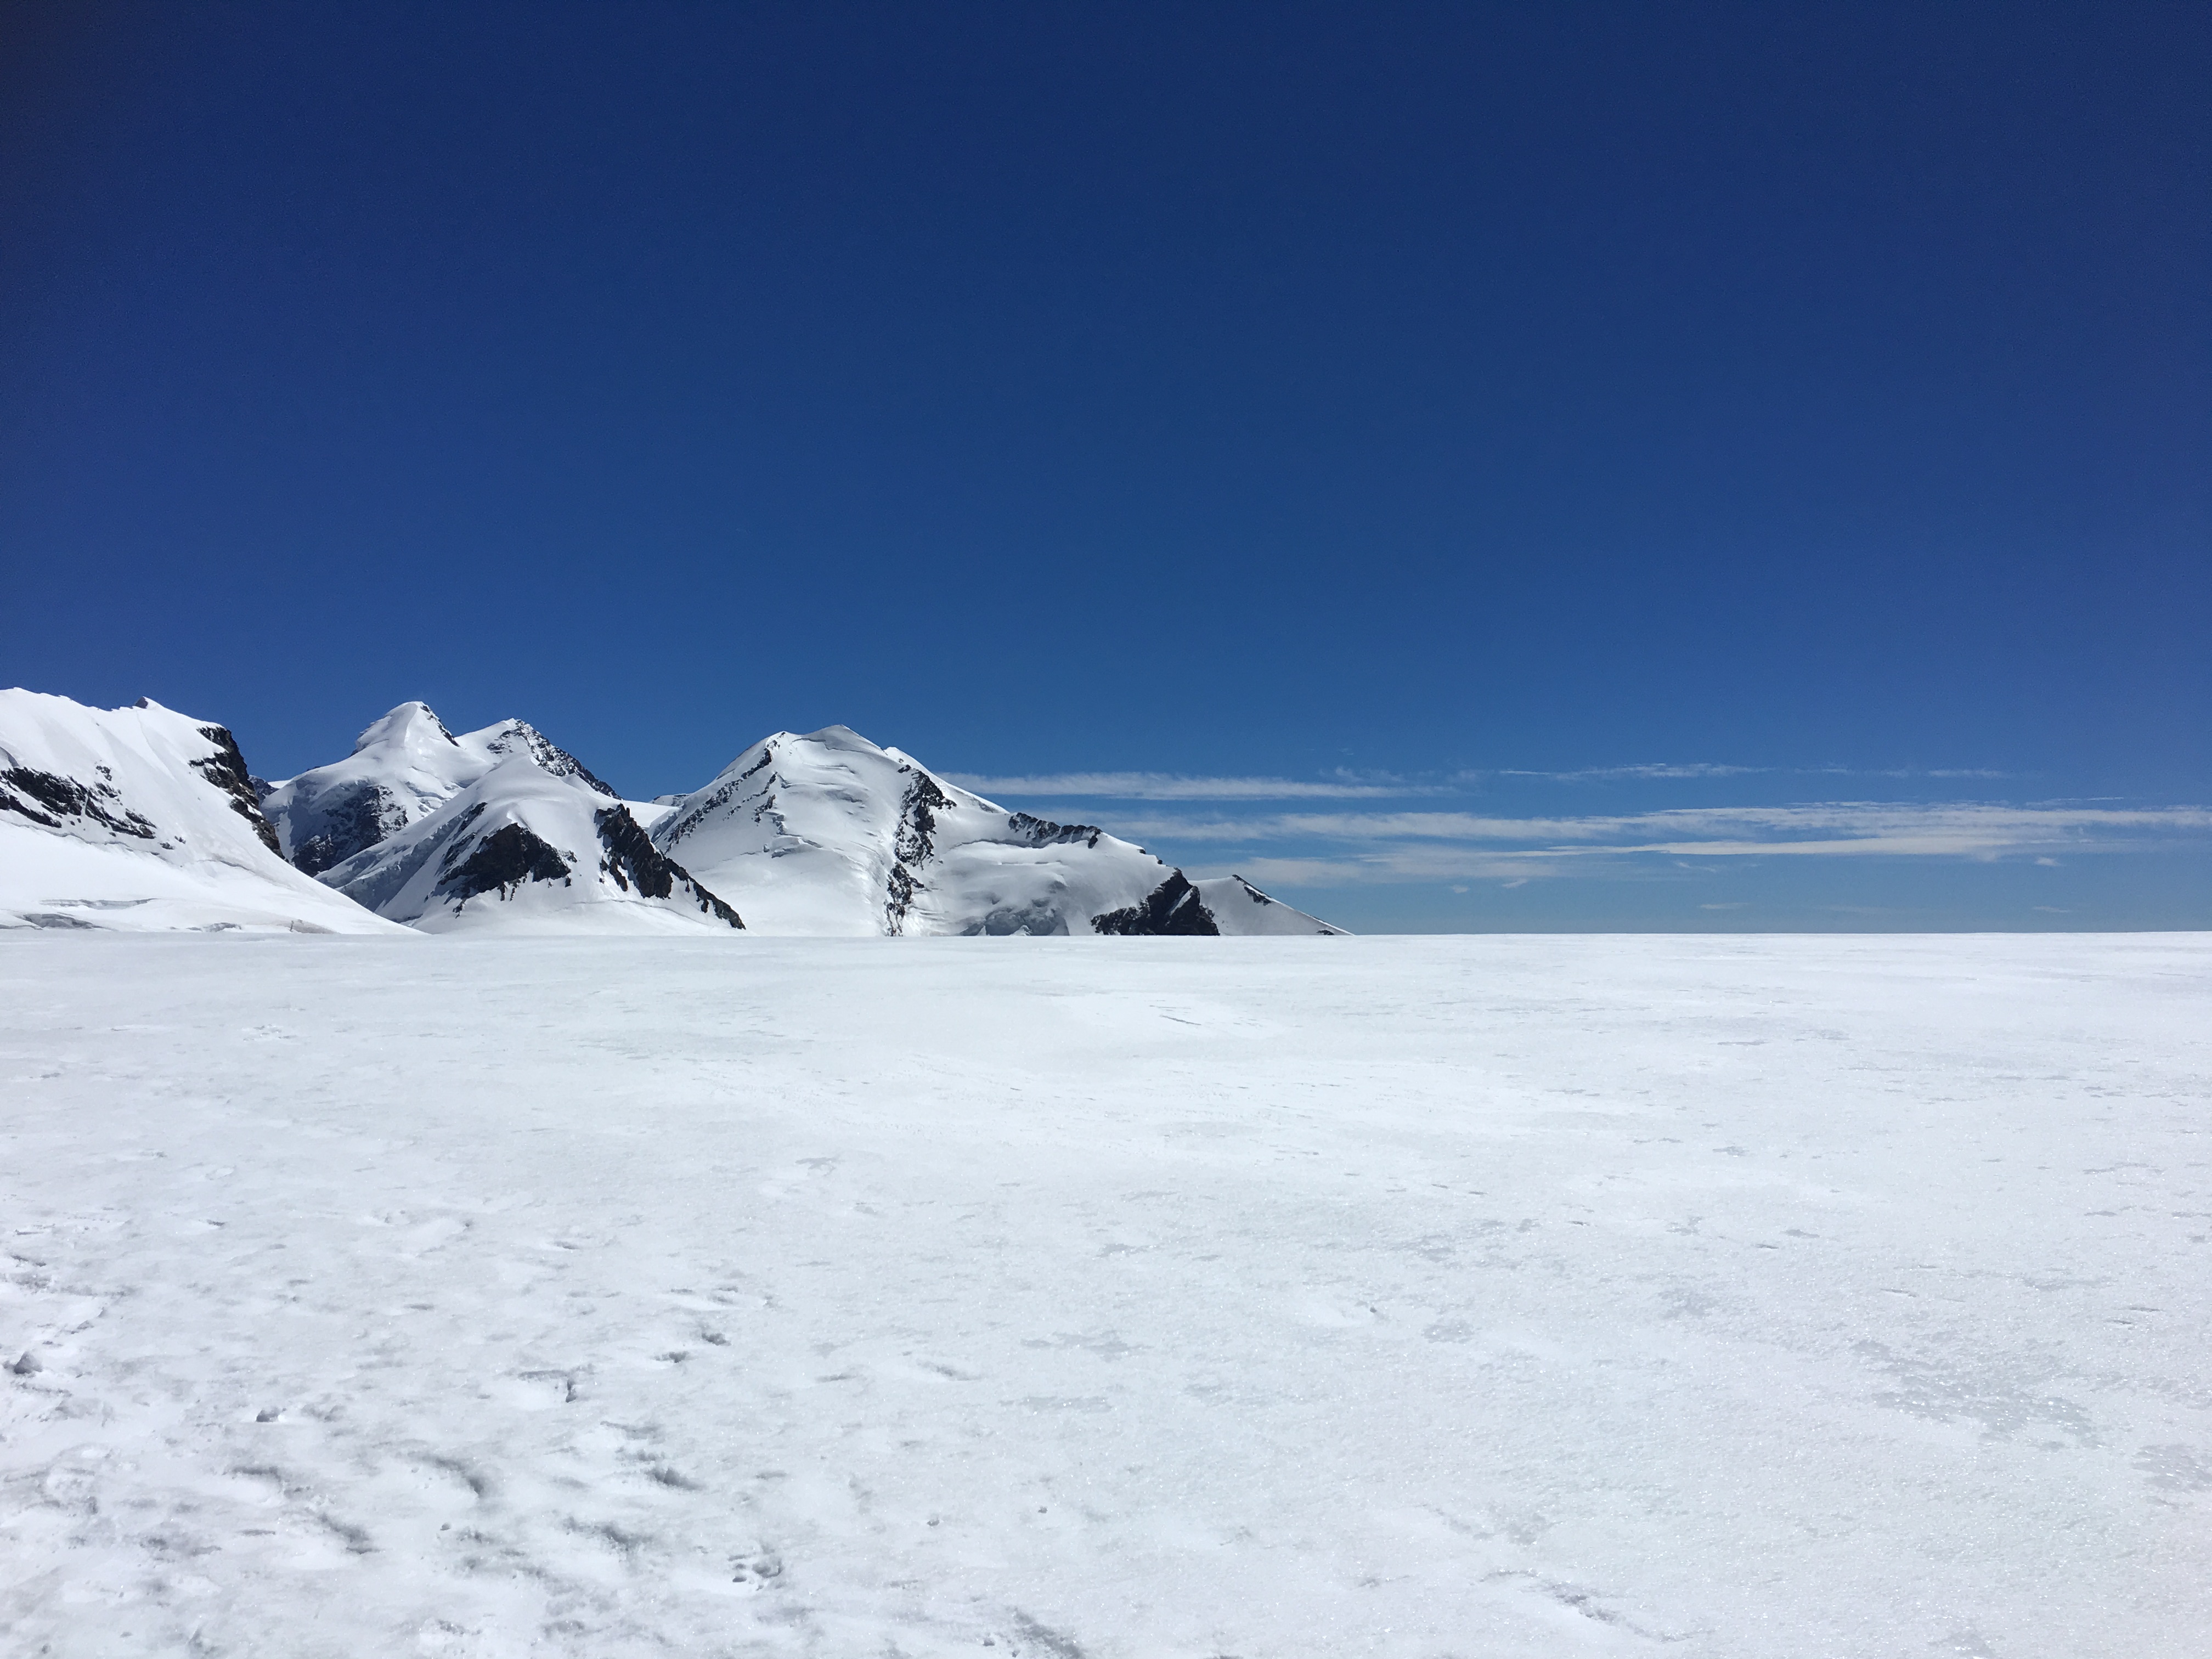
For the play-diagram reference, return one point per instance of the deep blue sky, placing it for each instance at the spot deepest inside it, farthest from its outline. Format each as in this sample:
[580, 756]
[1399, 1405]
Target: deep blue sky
[1219, 391]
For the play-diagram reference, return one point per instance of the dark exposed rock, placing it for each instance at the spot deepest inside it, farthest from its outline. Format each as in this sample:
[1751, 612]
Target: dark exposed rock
[388, 874]
[518, 737]
[633, 861]
[505, 859]
[899, 889]
[673, 830]
[918, 820]
[1173, 907]
[1044, 832]
[913, 843]
[584, 774]
[226, 770]
[349, 821]
[452, 833]
[1040, 918]
[24, 790]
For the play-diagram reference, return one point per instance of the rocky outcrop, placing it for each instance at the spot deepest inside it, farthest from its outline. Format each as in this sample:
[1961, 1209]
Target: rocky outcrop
[226, 770]
[1173, 907]
[631, 859]
[49, 800]
[502, 861]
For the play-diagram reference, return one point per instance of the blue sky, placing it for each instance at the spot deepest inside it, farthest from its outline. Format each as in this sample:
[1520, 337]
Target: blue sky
[1466, 466]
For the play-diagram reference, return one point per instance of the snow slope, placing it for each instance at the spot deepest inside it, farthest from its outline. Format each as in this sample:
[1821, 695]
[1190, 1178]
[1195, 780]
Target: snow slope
[526, 848]
[1240, 908]
[141, 818]
[1510, 1298]
[828, 834]
[402, 769]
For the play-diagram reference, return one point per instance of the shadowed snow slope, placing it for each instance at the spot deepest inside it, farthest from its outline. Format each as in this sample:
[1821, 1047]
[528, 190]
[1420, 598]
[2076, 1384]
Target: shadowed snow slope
[141, 818]
[828, 833]
[1367, 1298]
[523, 849]
[402, 769]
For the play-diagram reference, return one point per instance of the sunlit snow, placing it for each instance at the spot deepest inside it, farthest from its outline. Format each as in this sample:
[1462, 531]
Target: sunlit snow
[1747, 1297]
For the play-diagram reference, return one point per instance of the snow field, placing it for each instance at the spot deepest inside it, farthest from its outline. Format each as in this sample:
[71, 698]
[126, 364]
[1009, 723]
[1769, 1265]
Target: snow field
[1477, 1296]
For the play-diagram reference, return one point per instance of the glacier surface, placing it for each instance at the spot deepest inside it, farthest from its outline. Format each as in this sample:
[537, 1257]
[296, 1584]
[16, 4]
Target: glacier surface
[1748, 1297]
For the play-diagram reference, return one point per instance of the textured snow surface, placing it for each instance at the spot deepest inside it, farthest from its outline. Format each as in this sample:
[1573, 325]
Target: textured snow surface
[1749, 1297]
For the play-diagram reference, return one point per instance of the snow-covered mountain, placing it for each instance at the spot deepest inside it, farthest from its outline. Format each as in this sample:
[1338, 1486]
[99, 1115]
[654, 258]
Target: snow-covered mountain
[827, 833]
[142, 818]
[402, 769]
[527, 849]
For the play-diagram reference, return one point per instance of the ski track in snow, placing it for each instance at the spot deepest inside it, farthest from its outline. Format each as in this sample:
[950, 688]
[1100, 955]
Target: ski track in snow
[1744, 1296]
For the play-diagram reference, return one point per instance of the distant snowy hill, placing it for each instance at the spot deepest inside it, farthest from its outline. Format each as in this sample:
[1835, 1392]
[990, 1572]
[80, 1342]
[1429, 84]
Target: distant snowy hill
[1239, 908]
[827, 833]
[402, 769]
[142, 818]
[527, 849]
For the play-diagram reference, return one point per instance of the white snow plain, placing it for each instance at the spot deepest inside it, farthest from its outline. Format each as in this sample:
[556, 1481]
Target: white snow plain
[1788, 1296]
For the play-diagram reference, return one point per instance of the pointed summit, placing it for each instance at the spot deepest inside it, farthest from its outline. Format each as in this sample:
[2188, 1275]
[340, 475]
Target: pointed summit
[410, 725]
[402, 767]
[829, 833]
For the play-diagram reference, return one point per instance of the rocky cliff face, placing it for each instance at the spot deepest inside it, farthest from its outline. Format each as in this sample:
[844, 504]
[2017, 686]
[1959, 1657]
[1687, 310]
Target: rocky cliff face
[1174, 906]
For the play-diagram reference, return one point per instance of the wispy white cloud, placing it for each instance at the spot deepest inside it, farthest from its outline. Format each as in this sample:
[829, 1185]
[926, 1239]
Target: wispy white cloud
[1388, 865]
[1360, 847]
[1656, 769]
[1347, 785]
[1173, 786]
[1703, 827]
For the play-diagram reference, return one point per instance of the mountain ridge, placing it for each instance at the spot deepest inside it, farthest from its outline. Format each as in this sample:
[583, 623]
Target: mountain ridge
[817, 833]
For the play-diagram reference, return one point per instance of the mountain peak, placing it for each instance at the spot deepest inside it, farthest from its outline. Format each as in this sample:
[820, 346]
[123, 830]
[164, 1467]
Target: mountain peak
[410, 723]
[402, 769]
[831, 832]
